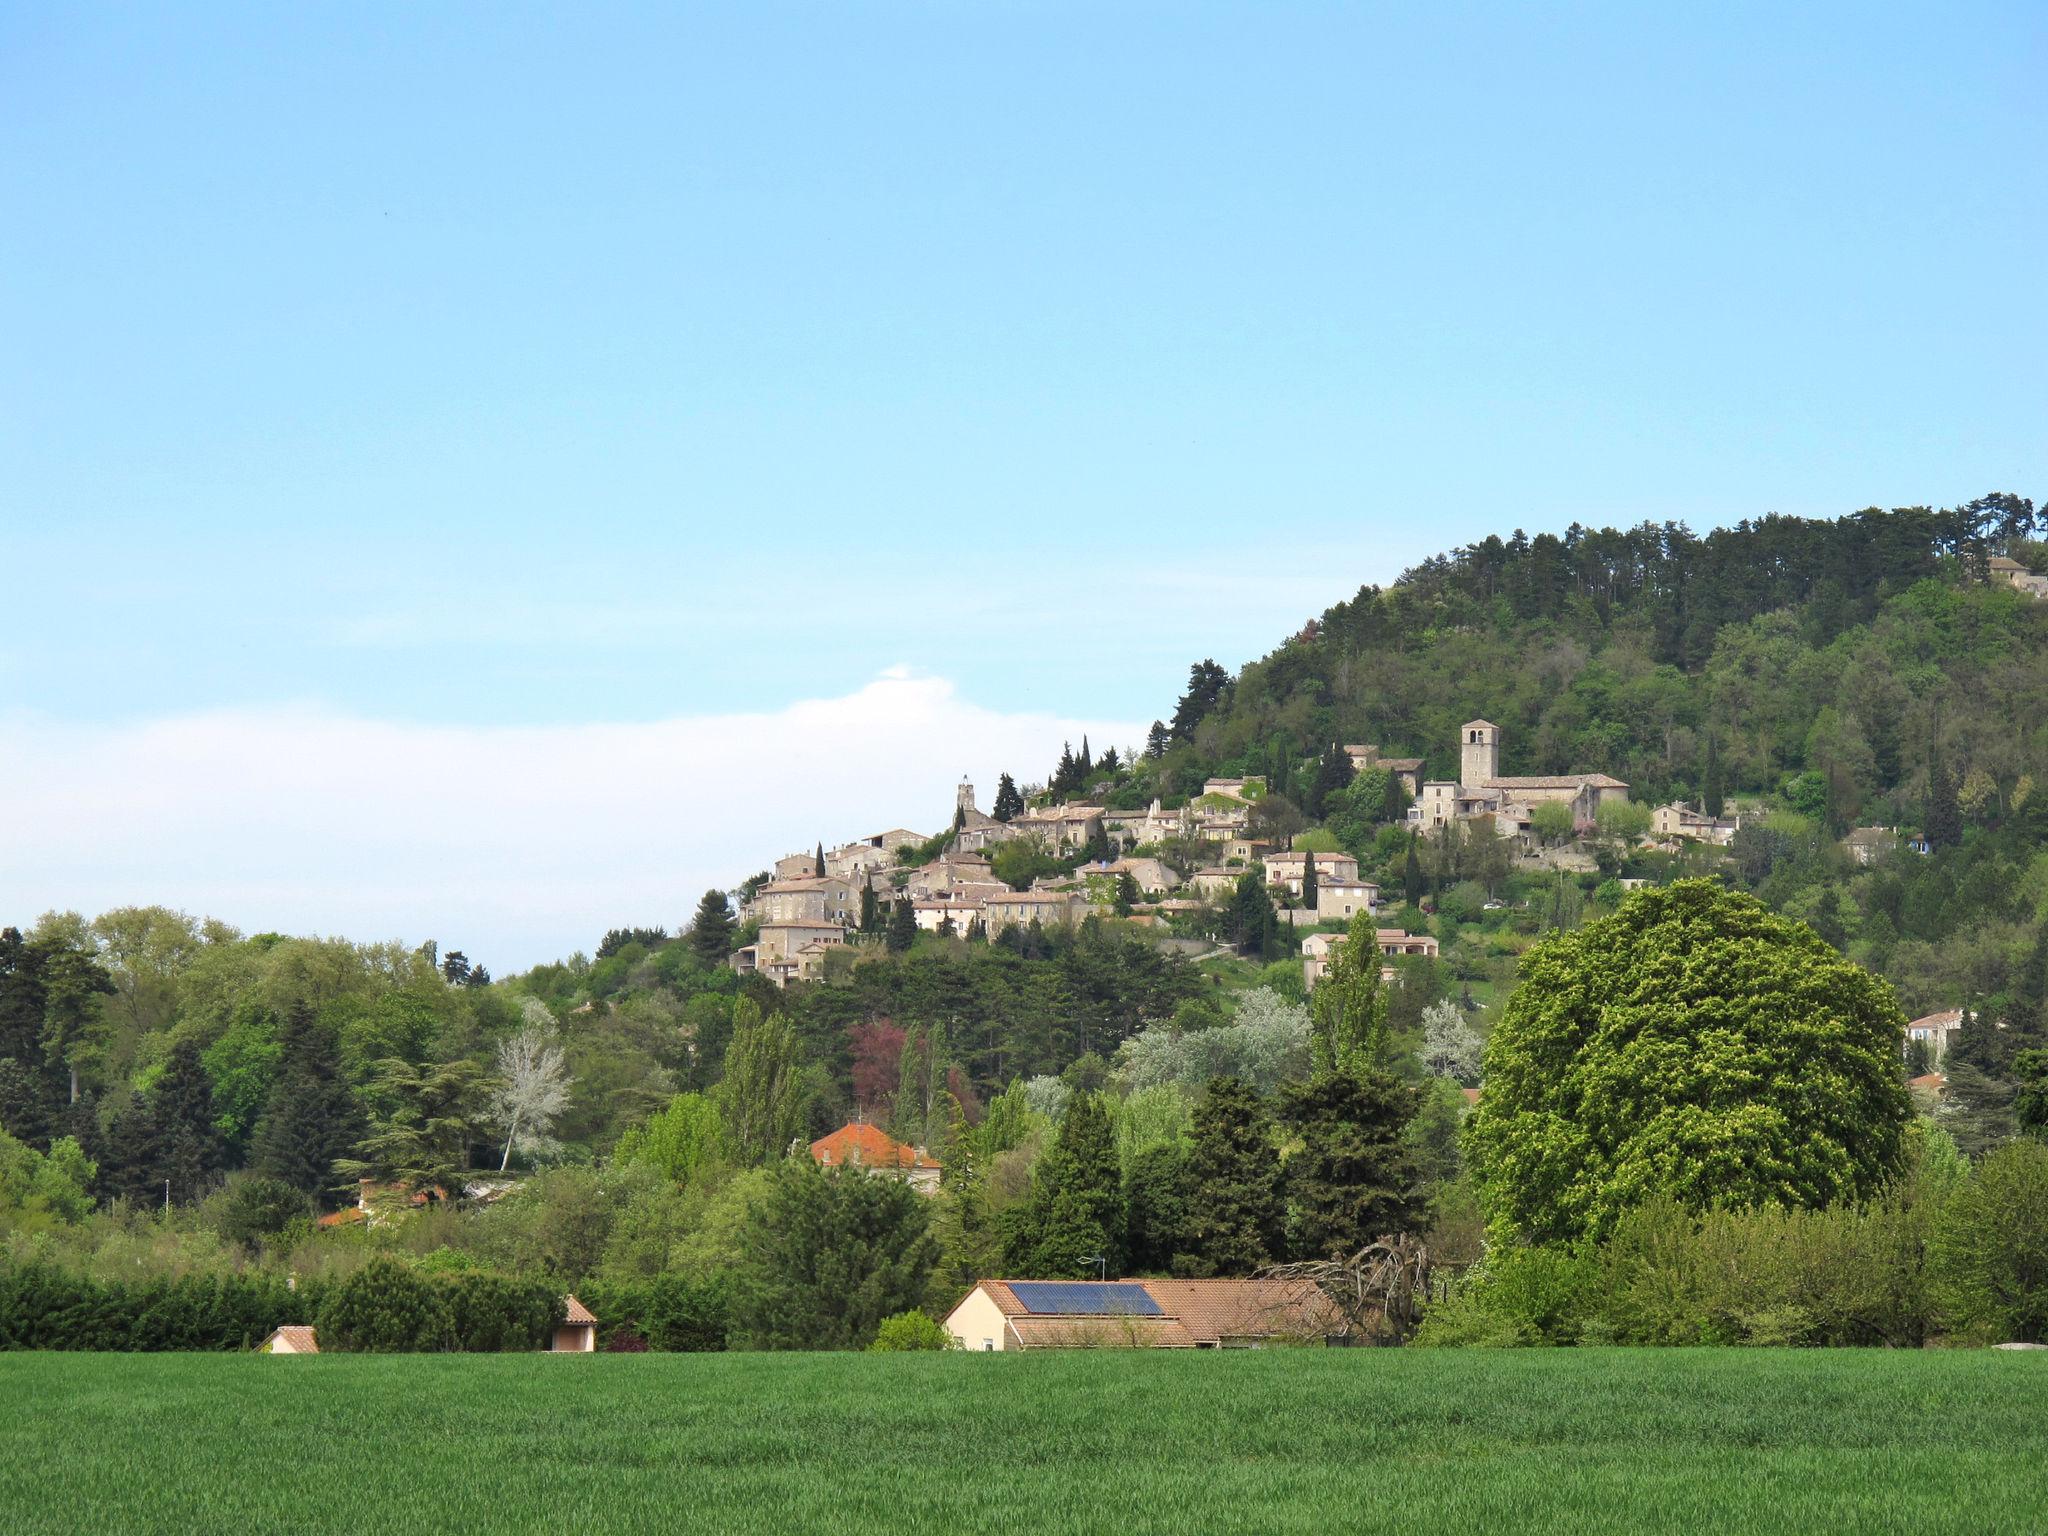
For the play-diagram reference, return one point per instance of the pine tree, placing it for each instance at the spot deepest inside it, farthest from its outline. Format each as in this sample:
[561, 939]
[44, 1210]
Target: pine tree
[902, 926]
[1827, 917]
[1159, 1208]
[1352, 1179]
[182, 1102]
[1206, 683]
[1157, 740]
[1237, 1212]
[1127, 894]
[1072, 1225]
[1009, 803]
[1110, 762]
[1308, 881]
[711, 929]
[1711, 790]
[311, 1117]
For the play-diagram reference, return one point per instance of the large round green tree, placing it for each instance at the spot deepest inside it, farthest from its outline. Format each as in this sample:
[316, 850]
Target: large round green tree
[1694, 1045]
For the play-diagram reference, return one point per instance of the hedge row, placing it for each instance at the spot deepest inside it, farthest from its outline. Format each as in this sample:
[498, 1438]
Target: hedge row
[669, 1312]
[384, 1306]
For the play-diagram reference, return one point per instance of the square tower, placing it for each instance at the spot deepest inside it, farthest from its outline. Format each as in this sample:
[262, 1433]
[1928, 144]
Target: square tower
[1478, 752]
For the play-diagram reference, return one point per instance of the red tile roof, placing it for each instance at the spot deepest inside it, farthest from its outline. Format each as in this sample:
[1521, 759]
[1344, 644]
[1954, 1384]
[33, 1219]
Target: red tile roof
[869, 1146]
[573, 1311]
[1101, 1333]
[300, 1338]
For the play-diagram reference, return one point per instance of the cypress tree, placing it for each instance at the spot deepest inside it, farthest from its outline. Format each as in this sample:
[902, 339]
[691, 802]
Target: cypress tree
[1008, 801]
[1084, 764]
[711, 929]
[1943, 818]
[1411, 874]
[1308, 881]
[1333, 776]
[1156, 740]
[1711, 793]
[1352, 1178]
[870, 911]
[1127, 894]
[821, 859]
[1075, 1213]
[1237, 1213]
[902, 926]
[311, 1117]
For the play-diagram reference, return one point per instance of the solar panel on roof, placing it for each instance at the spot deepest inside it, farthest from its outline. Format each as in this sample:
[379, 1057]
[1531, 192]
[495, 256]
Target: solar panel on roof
[1084, 1298]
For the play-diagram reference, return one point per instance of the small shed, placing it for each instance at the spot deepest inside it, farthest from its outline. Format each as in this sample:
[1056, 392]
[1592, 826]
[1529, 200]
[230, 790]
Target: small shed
[293, 1339]
[578, 1333]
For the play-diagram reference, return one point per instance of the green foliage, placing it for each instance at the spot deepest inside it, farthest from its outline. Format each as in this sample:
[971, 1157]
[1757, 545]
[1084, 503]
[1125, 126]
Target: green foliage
[913, 1330]
[1159, 1207]
[765, 1095]
[685, 1141]
[255, 1207]
[1349, 1005]
[39, 1190]
[1693, 1045]
[1991, 1247]
[711, 929]
[1236, 1210]
[830, 1253]
[1072, 1225]
[1020, 860]
[424, 1122]
[1353, 1179]
[386, 1307]
[46, 1308]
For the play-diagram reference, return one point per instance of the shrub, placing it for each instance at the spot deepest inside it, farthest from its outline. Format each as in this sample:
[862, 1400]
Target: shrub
[1990, 1248]
[386, 1308]
[254, 1208]
[910, 1330]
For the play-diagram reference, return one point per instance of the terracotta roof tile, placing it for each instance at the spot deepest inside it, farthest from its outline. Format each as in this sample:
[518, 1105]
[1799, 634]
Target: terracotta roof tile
[303, 1340]
[868, 1146]
[573, 1311]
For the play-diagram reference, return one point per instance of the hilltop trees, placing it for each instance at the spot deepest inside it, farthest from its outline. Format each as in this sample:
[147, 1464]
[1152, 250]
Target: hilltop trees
[311, 1117]
[1692, 1045]
[711, 929]
[1008, 803]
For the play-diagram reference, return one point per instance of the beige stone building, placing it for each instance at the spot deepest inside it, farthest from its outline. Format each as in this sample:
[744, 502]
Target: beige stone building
[1678, 822]
[1482, 791]
[1018, 909]
[1344, 899]
[1290, 868]
[1407, 769]
[1318, 949]
[1218, 882]
[830, 898]
[1063, 827]
[2005, 569]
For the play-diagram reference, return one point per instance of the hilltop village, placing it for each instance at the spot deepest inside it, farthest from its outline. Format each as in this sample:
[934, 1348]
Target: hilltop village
[1041, 860]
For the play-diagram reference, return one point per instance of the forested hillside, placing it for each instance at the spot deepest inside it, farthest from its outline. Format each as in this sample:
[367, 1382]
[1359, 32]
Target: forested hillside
[1812, 677]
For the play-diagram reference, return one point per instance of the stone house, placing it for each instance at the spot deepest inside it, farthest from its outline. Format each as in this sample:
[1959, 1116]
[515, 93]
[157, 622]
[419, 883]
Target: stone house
[1344, 899]
[1150, 876]
[933, 913]
[1217, 882]
[1318, 949]
[796, 866]
[1481, 791]
[814, 899]
[1678, 822]
[1246, 789]
[2005, 569]
[1018, 909]
[1937, 1031]
[1289, 868]
[1407, 769]
[1151, 825]
[1866, 845]
[1064, 827]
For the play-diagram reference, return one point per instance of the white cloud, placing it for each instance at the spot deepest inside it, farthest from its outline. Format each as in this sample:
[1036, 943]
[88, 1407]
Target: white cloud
[517, 845]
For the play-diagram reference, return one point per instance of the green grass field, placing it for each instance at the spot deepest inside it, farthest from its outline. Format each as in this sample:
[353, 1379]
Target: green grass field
[1310, 1441]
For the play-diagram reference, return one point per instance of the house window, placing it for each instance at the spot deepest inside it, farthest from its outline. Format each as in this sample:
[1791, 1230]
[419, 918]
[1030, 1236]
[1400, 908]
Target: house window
[988, 1345]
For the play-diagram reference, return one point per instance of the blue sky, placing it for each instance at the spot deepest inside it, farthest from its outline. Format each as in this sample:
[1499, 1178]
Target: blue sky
[497, 368]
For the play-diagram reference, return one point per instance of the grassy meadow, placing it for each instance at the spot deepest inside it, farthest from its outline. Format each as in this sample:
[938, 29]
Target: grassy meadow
[1286, 1441]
